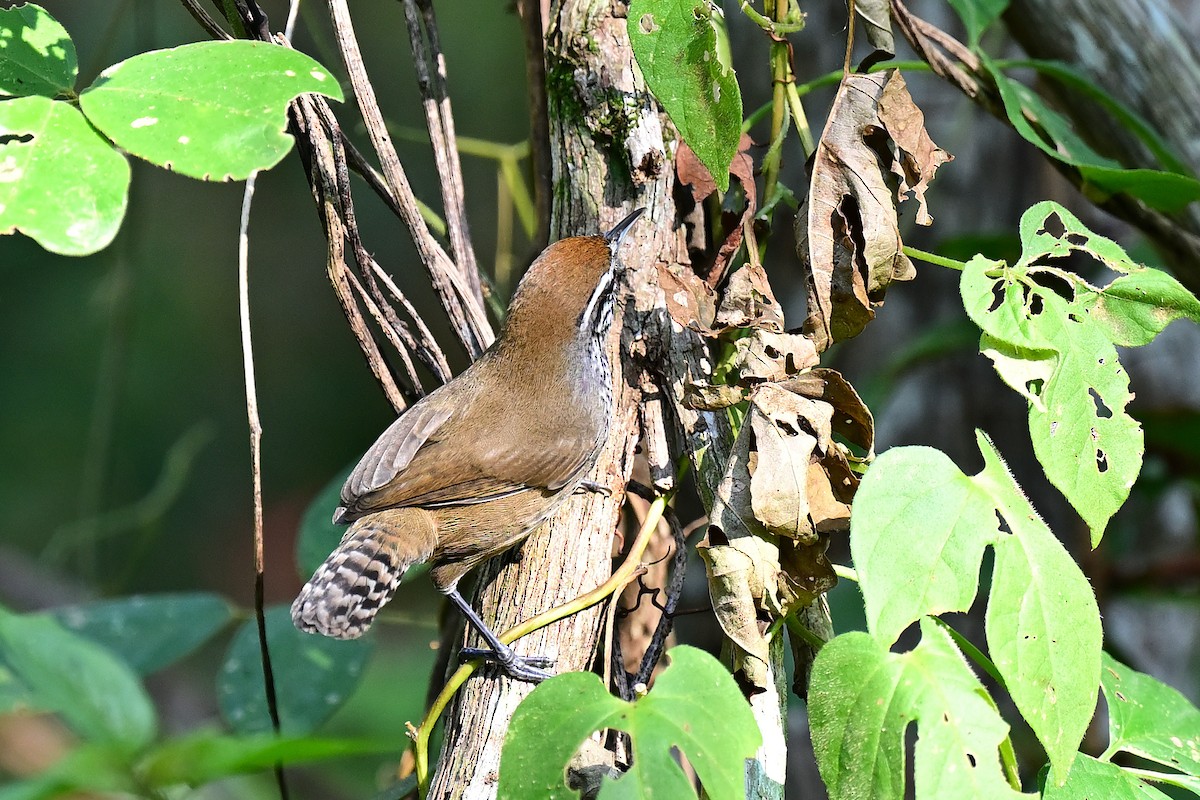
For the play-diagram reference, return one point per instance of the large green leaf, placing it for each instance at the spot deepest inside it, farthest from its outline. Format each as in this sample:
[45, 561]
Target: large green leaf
[212, 110]
[209, 755]
[862, 701]
[1052, 336]
[1149, 719]
[97, 695]
[37, 56]
[675, 44]
[149, 632]
[318, 535]
[313, 676]
[917, 537]
[61, 183]
[695, 705]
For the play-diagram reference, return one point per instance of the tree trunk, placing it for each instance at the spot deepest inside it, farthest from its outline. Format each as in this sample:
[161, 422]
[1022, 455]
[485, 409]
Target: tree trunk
[1143, 54]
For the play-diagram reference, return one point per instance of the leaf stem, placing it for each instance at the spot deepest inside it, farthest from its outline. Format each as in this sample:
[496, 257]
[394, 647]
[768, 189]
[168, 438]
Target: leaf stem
[972, 652]
[934, 258]
[618, 579]
[848, 573]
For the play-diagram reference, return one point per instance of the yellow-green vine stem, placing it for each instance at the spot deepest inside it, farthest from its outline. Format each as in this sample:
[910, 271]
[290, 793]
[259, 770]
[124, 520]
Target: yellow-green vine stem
[618, 579]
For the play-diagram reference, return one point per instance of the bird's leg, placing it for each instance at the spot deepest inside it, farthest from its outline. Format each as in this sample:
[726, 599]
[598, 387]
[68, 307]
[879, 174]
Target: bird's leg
[523, 668]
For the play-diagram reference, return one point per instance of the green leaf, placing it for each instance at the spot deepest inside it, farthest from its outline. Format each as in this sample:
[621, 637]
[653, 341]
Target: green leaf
[918, 489]
[1091, 779]
[1149, 719]
[149, 631]
[1135, 308]
[675, 44]
[862, 700]
[37, 56]
[209, 755]
[97, 695]
[212, 110]
[313, 676]
[1054, 136]
[978, 15]
[1051, 336]
[1043, 625]
[695, 705]
[61, 184]
[87, 770]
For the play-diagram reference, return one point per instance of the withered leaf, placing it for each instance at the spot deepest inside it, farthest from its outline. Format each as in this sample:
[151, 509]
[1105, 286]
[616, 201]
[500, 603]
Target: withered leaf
[807, 572]
[733, 577]
[877, 21]
[695, 175]
[690, 301]
[919, 157]
[712, 397]
[766, 356]
[789, 431]
[748, 301]
[851, 417]
[848, 238]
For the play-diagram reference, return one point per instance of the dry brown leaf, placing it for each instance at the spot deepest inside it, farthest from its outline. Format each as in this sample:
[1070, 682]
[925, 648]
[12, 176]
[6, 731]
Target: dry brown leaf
[919, 157]
[790, 430]
[766, 356]
[851, 418]
[732, 575]
[690, 301]
[748, 301]
[848, 238]
[706, 397]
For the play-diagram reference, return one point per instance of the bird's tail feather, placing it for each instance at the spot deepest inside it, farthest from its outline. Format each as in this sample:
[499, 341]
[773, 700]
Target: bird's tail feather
[343, 596]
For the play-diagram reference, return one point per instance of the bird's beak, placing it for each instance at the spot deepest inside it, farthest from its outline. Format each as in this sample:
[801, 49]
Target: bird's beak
[617, 234]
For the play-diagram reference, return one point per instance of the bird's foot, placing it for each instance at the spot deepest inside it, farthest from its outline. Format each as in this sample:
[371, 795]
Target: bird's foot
[592, 486]
[522, 668]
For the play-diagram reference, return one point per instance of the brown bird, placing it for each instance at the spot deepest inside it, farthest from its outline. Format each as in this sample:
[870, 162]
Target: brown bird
[471, 469]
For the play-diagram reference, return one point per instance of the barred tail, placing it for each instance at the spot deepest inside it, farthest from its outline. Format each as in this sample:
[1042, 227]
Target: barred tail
[346, 592]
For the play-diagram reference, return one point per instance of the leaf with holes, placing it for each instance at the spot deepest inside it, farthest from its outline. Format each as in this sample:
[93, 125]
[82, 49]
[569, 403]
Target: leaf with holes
[1151, 720]
[863, 700]
[675, 44]
[1052, 337]
[211, 110]
[314, 675]
[61, 183]
[694, 706]
[37, 56]
[873, 153]
[917, 537]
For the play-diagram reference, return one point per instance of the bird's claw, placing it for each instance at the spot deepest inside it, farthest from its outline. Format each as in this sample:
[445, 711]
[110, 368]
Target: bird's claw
[592, 486]
[523, 668]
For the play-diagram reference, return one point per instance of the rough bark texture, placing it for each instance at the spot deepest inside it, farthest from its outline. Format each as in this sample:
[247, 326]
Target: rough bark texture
[1143, 53]
[612, 150]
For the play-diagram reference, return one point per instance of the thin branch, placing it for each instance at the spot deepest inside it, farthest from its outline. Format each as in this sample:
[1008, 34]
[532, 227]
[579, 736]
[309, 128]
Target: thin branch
[674, 589]
[534, 31]
[205, 21]
[430, 65]
[256, 465]
[464, 311]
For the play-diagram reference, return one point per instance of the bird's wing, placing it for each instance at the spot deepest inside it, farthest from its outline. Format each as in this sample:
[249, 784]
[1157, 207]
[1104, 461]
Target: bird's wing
[431, 461]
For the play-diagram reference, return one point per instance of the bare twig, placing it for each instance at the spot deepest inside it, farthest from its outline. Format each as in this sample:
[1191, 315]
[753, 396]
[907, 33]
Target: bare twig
[463, 309]
[256, 465]
[430, 65]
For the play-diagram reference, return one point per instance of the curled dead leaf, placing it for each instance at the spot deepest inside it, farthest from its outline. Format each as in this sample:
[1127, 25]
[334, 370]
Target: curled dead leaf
[748, 302]
[851, 417]
[706, 397]
[690, 301]
[874, 149]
